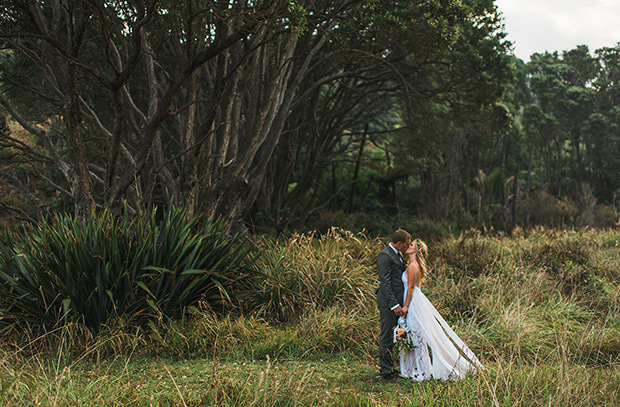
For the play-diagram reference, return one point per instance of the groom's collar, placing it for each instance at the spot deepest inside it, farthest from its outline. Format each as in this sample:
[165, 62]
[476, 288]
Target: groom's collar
[395, 251]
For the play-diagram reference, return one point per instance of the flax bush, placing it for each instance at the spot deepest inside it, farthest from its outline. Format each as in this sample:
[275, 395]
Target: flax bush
[134, 267]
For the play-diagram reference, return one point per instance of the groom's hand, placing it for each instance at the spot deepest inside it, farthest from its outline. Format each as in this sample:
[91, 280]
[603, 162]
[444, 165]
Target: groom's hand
[399, 311]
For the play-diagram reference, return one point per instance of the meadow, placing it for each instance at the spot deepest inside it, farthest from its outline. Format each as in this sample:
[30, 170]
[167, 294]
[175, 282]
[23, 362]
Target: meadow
[540, 308]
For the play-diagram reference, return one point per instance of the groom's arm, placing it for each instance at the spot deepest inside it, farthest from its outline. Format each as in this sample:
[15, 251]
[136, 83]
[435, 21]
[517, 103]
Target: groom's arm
[383, 264]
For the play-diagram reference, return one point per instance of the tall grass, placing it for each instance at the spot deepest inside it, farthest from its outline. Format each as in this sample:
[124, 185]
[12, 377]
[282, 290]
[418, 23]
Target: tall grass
[523, 293]
[541, 310]
[310, 272]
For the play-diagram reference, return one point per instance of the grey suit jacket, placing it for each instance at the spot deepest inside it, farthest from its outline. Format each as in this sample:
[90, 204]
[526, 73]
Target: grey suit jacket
[390, 292]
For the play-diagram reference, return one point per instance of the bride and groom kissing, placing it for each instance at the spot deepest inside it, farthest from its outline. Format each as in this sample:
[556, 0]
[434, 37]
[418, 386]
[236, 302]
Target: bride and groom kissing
[407, 316]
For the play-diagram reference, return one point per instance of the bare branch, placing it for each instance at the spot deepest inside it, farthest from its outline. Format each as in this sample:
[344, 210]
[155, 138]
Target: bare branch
[23, 190]
[38, 132]
[9, 208]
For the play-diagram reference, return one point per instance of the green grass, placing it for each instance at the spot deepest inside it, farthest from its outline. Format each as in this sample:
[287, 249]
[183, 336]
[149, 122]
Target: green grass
[335, 380]
[540, 309]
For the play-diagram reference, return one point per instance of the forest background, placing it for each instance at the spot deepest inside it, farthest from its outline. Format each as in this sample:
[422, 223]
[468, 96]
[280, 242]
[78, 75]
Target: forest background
[293, 115]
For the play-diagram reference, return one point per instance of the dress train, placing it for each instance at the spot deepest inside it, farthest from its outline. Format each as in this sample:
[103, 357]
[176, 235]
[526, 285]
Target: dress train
[450, 357]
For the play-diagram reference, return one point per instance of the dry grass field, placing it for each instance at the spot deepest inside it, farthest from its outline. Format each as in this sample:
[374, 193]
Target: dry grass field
[541, 309]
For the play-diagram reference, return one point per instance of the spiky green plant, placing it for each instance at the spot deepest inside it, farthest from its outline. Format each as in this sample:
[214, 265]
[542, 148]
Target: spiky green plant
[132, 266]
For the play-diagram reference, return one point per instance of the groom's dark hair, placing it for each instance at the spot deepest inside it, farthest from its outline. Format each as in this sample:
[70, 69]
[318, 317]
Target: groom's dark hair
[400, 235]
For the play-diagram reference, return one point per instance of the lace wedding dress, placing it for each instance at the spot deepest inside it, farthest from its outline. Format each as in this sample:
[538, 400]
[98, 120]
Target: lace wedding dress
[451, 358]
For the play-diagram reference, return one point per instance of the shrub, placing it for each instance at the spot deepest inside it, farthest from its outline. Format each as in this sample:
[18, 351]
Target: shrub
[471, 255]
[309, 272]
[133, 267]
[544, 209]
[566, 260]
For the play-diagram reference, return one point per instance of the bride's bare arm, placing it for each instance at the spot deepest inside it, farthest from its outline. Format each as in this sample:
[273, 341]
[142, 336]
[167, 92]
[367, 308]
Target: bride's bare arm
[413, 277]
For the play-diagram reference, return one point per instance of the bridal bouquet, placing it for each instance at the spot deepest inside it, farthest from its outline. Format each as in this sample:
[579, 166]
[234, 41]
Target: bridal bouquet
[403, 338]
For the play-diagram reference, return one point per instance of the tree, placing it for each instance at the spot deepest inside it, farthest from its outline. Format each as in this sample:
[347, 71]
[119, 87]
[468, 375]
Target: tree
[453, 111]
[115, 74]
[188, 102]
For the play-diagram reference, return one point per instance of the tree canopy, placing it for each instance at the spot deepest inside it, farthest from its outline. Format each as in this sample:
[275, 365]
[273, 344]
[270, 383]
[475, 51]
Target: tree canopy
[274, 112]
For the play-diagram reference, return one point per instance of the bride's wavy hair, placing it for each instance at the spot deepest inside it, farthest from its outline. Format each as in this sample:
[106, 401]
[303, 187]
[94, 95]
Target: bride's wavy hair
[422, 251]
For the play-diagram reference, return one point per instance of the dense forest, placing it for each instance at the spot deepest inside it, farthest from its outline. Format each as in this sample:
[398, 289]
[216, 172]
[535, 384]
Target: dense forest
[289, 114]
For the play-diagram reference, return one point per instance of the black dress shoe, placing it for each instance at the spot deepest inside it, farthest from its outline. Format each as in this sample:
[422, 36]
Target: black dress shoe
[391, 376]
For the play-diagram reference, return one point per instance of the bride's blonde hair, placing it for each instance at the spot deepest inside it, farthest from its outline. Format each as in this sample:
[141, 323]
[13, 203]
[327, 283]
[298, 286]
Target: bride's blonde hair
[421, 252]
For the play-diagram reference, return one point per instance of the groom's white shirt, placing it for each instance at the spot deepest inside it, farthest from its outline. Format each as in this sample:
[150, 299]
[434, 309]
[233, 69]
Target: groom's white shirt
[395, 251]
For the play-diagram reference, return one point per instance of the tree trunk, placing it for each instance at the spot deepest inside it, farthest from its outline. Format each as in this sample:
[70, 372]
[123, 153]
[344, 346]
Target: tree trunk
[81, 186]
[502, 178]
[530, 164]
[189, 162]
[358, 162]
[515, 199]
[334, 186]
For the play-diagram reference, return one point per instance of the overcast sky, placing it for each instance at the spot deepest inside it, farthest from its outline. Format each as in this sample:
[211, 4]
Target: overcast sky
[559, 25]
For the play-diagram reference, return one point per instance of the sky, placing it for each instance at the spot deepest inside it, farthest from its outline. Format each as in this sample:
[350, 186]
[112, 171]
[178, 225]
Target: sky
[560, 25]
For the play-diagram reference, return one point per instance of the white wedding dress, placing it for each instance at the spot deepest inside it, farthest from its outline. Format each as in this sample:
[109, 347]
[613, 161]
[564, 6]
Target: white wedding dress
[430, 330]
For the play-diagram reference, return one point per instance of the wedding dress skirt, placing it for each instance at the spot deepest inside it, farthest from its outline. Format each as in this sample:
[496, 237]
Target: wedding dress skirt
[451, 358]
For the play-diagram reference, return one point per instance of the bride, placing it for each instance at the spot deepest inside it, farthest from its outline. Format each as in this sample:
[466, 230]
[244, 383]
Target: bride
[450, 358]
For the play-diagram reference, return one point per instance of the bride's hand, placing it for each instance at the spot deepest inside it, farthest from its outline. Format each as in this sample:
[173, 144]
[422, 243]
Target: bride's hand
[405, 310]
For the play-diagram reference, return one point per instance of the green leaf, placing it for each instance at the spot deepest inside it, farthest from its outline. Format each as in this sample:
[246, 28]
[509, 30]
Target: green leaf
[145, 288]
[66, 304]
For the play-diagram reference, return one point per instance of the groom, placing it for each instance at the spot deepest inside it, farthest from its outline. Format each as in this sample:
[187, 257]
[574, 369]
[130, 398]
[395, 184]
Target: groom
[390, 297]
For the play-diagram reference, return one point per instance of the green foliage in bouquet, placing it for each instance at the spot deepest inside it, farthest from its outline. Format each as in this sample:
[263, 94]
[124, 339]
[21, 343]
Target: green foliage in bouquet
[130, 266]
